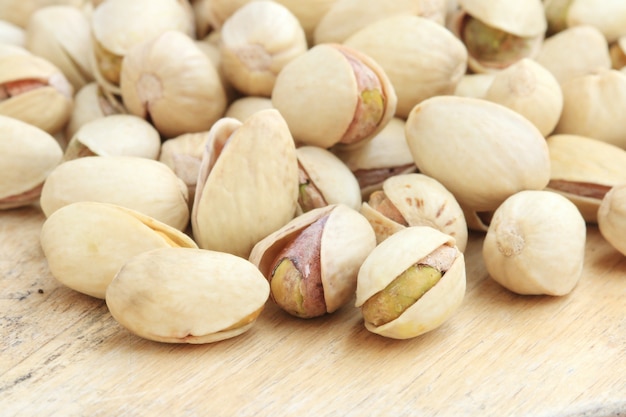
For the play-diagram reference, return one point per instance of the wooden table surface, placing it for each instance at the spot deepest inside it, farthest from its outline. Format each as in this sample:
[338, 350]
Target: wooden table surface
[501, 355]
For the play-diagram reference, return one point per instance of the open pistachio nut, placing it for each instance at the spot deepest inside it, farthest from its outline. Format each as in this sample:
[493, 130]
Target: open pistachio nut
[312, 262]
[91, 103]
[333, 94]
[185, 295]
[411, 283]
[85, 243]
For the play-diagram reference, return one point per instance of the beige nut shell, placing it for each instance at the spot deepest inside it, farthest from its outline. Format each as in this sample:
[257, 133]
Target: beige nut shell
[612, 217]
[522, 18]
[183, 295]
[395, 255]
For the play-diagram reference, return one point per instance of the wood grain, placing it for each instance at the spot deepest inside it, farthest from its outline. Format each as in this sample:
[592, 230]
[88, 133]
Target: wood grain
[501, 355]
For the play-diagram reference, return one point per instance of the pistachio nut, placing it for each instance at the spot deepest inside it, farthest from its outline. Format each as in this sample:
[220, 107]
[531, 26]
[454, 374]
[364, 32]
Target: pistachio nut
[495, 150]
[27, 155]
[593, 106]
[386, 155]
[215, 12]
[610, 19]
[612, 217]
[308, 13]
[85, 243]
[247, 185]
[91, 103]
[253, 51]
[18, 12]
[333, 94]
[141, 184]
[474, 85]
[312, 262]
[415, 200]
[243, 107]
[324, 179]
[417, 70]
[33, 90]
[184, 295]
[171, 82]
[411, 283]
[118, 134]
[556, 15]
[536, 244]
[531, 90]
[584, 169]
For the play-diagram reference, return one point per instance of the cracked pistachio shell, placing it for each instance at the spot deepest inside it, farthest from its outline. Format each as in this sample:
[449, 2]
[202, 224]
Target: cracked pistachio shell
[612, 217]
[536, 244]
[584, 169]
[171, 82]
[118, 134]
[593, 106]
[417, 70]
[610, 18]
[573, 52]
[421, 201]
[387, 154]
[330, 176]
[183, 295]
[86, 243]
[141, 184]
[346, 240]
[12, 34]
[33, 90]
[333, 94]
[257, 41]
[247, 185]
[62, 35]
[394, 256]
[90, 103]
[244, 107]
[495, 151]
[27, 155]
[531, 90]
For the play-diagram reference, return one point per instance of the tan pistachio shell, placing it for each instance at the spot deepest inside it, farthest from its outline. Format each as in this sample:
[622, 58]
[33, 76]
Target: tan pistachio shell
[610, 18]
[18, 12]
[187, 295]
[474, 85]
[90, 103]
[416, 70]
[330, 176]
[583, 169]
[27, 155]
[593, 106]
[141, 184]
[347, 239]
[72, 235]
[118, 134]
[612, 217]
[257, 41]
[62, 35]
[247, 185]
[524, 255]
[309, 13]
[573, 52]
[215, 12]
[512, 152]
[12, 34]
[171, 82]
[531, 90]
[243, 107]
[422, 201]
[395, 255]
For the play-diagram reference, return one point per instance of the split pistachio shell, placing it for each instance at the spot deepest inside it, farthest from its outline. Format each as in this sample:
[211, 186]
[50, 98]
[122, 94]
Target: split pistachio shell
[333, 94]
[12, 34]
[73, 235]
[141, 184]
[247, 185]
[183, 295]
[386, 155]
[573, 52]
[584, 169]
[244, 107]
[257, 41]
[415, 200]
[610, 19]
[536, 244]
[531, 90]
[396, 255]
[328, 259]
[325, 180]
[612, 217]
[119, 134]
[593, 106]
[33, 90]
[62, 35]
[27, 156]
[416, 70]
[90, 103]
[171, 82]
[496, 152]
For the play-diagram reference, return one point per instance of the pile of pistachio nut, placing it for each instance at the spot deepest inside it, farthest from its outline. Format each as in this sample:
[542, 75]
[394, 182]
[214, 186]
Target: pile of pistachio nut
[198, 159]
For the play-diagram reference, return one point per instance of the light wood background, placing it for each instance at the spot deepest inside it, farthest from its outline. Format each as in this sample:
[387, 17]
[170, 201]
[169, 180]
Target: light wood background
[502, 354]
